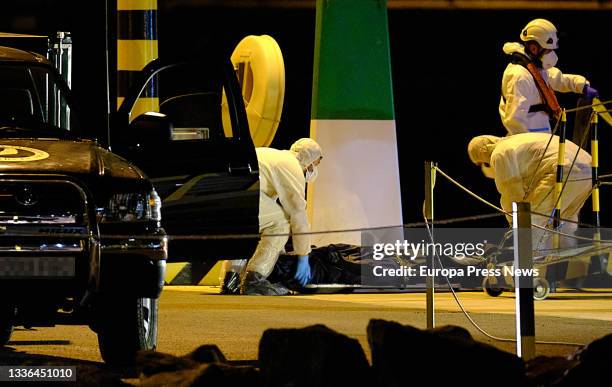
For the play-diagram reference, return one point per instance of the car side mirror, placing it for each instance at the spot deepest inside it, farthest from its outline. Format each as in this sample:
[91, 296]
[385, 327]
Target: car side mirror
[148, 129]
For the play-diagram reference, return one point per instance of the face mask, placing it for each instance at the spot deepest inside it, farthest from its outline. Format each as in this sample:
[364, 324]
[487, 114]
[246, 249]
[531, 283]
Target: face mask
[549, 60]
[311, 173]
[488, 171]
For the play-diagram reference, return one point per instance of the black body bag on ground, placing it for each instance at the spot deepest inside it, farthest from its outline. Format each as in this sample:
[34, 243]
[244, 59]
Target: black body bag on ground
[338, 264]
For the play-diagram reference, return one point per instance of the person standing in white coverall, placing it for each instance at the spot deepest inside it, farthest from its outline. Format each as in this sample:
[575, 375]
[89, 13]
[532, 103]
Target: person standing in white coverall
[283, 175]
[528, 100]
[514, 160]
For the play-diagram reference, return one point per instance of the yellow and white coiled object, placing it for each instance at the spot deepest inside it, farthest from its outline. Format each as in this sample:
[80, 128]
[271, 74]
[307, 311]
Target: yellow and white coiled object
[259, 65]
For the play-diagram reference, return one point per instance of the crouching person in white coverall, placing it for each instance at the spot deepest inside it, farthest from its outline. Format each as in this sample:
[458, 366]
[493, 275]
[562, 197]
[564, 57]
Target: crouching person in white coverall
[283, 175]
[518, 177]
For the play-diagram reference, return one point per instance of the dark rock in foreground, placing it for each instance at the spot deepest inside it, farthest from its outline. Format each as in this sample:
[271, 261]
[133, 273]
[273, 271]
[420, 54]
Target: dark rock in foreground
[212, 375]
[207, 354]
[545, 371]
[152, 362]
[93, 376]
[206, 366]
[318, 356]
[311, 357]
[592, 364]
[408, 356]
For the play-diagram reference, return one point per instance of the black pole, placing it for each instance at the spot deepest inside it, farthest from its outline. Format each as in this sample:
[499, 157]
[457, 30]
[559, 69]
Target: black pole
[523, 285]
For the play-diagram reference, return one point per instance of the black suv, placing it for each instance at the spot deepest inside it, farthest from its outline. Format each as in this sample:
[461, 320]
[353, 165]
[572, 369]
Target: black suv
[84, 233]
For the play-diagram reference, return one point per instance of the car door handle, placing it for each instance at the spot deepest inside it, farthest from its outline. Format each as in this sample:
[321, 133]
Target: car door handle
[238, 169]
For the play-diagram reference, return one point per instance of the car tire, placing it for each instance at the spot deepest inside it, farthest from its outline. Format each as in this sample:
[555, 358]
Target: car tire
[541, 288]
[489, 289]
[126, 327]
[7, 314]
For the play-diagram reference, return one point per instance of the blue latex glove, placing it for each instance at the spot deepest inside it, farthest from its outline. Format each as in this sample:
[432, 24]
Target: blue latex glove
[590, 92]
[302, 274]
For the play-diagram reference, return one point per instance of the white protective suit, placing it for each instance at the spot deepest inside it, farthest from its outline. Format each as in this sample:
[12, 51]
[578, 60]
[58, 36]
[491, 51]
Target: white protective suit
[519, 93]
[514, 160]
[281, 177]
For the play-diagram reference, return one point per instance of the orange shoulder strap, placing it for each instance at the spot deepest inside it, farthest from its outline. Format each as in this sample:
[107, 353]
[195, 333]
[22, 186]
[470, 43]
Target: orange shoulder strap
[547, 94]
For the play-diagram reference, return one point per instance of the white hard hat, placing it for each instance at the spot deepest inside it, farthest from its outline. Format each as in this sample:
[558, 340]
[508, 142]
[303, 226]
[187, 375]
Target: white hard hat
[481, 147]
[541, 31]
[307, 151]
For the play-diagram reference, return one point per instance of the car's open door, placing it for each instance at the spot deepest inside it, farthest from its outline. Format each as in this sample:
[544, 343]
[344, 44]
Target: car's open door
[198, 154]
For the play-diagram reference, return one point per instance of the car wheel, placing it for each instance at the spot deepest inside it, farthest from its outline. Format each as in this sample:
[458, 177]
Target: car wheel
[541, 288]
[489, 289]
[126, 327]
[7, 314]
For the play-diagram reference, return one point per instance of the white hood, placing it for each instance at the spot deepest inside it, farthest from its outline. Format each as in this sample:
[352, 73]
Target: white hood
[512, 47]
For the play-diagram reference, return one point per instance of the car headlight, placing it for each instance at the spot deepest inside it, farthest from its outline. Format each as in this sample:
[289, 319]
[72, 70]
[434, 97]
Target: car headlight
[129, 207]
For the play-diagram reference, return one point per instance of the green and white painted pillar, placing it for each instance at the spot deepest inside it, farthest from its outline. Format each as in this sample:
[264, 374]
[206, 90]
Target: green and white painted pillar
[353, 120]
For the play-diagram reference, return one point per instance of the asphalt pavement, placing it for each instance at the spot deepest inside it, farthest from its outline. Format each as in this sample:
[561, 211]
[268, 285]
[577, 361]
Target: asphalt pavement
[192, 316]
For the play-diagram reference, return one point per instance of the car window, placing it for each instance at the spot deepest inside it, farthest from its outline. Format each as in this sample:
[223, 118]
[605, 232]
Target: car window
[191, 98]
[31, 98]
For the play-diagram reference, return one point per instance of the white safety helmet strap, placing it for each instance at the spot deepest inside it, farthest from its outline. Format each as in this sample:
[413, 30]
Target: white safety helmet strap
[541, 31]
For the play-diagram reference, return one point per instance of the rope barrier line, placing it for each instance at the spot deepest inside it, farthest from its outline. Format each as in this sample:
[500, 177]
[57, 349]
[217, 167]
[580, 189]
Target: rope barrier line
[467, 190]
[588, 225]
[548, 261]
[600, 103]
[573, 236]
[567, 179]
[555, 130]
[465, 219]
[256, 235]
[471, 320]
[70, 235]
[581, 145]
[544, 255]
[575, 156]
[581, 204]
[472, 194]
[507, 213]
[588, 178]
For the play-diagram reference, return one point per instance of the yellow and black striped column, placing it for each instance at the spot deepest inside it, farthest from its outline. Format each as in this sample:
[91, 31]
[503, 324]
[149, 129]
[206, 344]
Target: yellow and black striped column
[136, 47]
[597, 262]
[595, 169]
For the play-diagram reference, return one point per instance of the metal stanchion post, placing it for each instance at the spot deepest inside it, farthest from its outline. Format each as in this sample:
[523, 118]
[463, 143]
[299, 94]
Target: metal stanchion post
[523, 285]
[430, 177]
[60, 53]
[552, 270]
